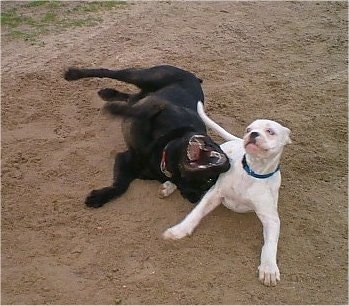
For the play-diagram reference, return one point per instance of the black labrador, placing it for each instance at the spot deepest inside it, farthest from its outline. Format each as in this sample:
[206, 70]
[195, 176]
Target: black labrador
[166, 138]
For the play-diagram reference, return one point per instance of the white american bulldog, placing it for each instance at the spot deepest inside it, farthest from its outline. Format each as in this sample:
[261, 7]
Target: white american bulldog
[251, 184]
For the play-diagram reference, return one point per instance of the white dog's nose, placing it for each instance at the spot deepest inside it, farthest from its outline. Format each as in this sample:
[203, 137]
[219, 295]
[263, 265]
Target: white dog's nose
[254, 135]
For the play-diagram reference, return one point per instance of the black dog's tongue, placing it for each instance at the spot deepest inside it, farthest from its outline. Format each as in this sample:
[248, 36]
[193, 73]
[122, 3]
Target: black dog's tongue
[193, 151]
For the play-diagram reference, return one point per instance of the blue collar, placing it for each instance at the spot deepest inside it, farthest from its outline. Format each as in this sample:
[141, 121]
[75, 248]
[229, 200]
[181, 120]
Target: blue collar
[251, 173]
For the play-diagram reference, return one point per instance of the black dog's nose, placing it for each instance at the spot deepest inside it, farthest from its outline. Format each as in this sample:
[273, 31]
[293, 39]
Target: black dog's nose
[254, 135]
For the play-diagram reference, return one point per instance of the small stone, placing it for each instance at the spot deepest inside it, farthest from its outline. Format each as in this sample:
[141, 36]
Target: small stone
[76, 251]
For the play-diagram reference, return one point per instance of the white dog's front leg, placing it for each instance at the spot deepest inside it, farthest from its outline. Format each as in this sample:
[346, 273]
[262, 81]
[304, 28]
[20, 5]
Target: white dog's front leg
[209, 202]
[269, 273]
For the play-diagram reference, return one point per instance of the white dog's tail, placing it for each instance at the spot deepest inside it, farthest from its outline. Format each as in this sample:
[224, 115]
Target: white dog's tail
[213, 125]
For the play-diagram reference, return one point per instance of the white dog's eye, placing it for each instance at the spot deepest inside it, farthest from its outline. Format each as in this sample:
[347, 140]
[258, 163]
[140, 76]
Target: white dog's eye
[270, 132]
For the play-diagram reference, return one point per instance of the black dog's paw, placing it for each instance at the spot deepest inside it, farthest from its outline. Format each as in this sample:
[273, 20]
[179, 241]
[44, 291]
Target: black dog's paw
[110, 95]
[73, 74]
[97, 198]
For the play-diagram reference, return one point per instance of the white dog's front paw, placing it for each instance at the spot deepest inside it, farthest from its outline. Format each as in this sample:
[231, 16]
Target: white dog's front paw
[176, 232]
[269, 274]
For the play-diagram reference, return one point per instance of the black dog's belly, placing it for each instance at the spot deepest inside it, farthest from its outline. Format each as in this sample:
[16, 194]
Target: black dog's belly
[137, 134]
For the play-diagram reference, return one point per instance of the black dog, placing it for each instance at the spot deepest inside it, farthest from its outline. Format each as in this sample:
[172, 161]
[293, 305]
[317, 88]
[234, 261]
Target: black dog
[166, 138]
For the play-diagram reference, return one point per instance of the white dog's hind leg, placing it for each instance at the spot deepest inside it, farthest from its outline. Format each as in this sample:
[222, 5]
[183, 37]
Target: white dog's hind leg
[166, 189]
[269, 273]
[209, 202]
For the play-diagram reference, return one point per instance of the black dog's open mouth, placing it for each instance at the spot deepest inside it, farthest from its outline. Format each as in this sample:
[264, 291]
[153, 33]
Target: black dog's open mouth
[203, 155]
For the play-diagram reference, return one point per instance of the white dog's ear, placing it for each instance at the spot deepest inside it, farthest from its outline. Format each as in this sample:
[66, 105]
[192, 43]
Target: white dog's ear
[288, 136]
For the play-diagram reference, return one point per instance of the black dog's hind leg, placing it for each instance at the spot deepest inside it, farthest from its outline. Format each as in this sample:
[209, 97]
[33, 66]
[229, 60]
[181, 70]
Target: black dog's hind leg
[111, 95]
[124, 174]
[148, 79]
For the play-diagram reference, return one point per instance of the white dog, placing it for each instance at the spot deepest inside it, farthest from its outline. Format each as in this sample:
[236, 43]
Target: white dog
[251, 184]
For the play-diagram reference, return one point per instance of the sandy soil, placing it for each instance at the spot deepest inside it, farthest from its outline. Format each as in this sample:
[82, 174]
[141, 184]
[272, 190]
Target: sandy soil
[283, 61]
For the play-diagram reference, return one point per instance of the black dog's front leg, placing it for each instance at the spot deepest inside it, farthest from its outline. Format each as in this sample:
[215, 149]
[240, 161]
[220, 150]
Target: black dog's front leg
[124, 174]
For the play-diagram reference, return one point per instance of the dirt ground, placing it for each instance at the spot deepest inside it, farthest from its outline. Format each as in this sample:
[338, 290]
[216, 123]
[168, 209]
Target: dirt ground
[282, 61]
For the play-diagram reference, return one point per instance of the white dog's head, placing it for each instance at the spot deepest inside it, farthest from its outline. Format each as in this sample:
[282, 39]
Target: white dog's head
[265, 138]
